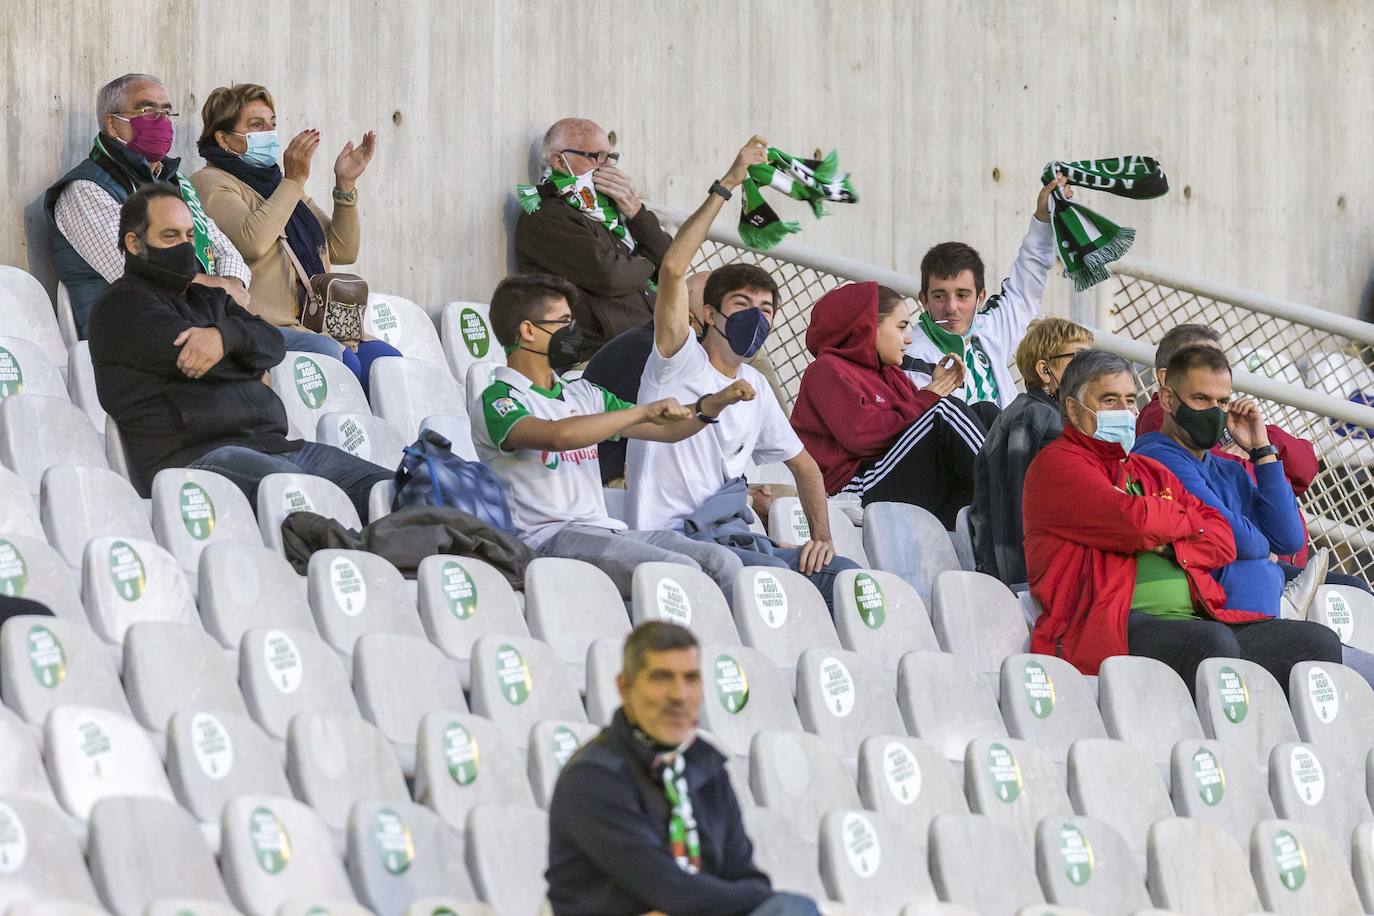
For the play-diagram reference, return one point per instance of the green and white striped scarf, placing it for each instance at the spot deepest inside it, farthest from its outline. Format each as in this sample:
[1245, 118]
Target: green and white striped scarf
[1086, 240]
[812, 180]
[579, 193]
[979, 382]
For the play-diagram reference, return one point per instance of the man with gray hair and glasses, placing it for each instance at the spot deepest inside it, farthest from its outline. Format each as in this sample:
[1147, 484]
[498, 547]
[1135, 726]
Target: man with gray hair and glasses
[584, 222]
[129, 152]
[1121, 556]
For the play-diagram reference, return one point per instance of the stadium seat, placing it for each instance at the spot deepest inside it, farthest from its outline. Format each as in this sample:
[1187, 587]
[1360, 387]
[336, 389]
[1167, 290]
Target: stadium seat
[279, 495]
[193, 509]
[370, 438]
[1145, 703]
[881, 617]
[781, 614]
[274, 850]
[962, 537]
[318, 906]
[1333, 709]
[1298, 868]
[213, 757]
[479, 377]
[29, 568]
[1015, 783]
[18, 512]
[512, 884]
[1047, 702]
[46, 861]
[465, 329]
[1306, 784]
[243, 587]
[744, 693]
[116, 454]
[380, 498]
[169, 667]
[406, 391]
[66, 321]
[37, 432]
[126, 580]
[397, 679]
[1224, 887]
[92, 753]
[286, 672]
[404, 325]
[25, 367]
[569, 603]
[430, 906]
[797, 775]
[21, 764]
[46, 663]
[1362, 867]
[463, 761]
[844, 697]
[462, 599]
[910, 542]
[787, 523]
[908, 781]
[603, 665]
[1116, 783]
[144, 849]
[518, 682]
[977, 617]
[1084, 863]
[353, 593]
[1348, 611]
[871, 863]
[946, 702]
[81, 384]
[179, 906]
[333, 761]
[937, 909]
[777, 855]
[1219, 783]
[310, 386]
[552, 744]
[1241, 703]
[685, 596]
[457, 429]
[400, 851]
[999, 879]
[81, 503]
[27, 312]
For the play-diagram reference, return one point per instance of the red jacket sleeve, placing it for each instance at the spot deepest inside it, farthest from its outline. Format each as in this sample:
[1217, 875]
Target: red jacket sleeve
[849, 415]
[1211, 544]
[1298, 456]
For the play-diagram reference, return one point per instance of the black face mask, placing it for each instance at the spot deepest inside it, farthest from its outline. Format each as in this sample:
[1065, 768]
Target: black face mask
[174, 267]
[1203, 427]
[565, 347]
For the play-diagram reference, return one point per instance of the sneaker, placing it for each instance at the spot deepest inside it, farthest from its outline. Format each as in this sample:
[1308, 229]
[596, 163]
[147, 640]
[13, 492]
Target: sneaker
[1299, 594]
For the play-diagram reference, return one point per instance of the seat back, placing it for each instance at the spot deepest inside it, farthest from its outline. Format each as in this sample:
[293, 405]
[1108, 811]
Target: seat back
[1083, 862]
[404, 325]
[909, 781]
[462, 599]
[517, 682]
[946, 702]
[18, 512]
[213, 757]
[27, 312]
[193, 509]
[286, 672]
[787, 523]
[37, 432]
[1047, 702]
[46, 663]
[569, 603]
[977, 617]
[81, 503]
[781, 614]
[353, 593]
[21, 765]
[1349, 612]
[279, 495]
[1333, 708]
[844, 697]
[93, 754]
[880, 616]
[29, 568]
[907, 540]
[456, 428]
[25, 367]
[1219, 783]
[1145, 703]
[872, 863]
[465, 328]
[1306, 784]
[370, 438]
[400, 851]
[1239, 702]
[116, 454]
[745, 694]
[81, 383]
[791, 867]
[480, 375]
[1298, 868]
[513, 885]
[243, 587]
[800, 777]
[463, 761]
[397, 679]
[1116, 783]
[273, 850]
[1224, 887]
[335, 760]
[963, 878]
[42, 858]
[169, 667]
[552, 744]
[127, 580]
[1015, 783]
[604, 661]
[311, 385]
[131, 842]
[406, 391]
[685, 596]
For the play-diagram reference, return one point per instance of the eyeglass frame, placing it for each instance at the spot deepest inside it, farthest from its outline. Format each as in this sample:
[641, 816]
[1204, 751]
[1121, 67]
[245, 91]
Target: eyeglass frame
[161, 113]
[608, 157]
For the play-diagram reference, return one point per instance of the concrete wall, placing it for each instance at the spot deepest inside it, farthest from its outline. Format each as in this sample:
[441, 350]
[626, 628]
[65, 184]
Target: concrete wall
[944, 110]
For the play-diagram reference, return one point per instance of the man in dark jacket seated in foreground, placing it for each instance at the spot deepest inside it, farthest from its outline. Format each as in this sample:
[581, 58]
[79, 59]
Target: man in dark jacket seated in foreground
[182, 368]
[644, 818]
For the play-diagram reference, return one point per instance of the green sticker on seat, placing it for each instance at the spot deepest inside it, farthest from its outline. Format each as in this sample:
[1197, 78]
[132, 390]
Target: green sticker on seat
[565, 744]
[47, 659]
[513, 674]
[197, 511]
[732, 685]
[127, 572]
[1234, 696]
[476, 335]
[461, 753]
[270, 842]
[395, 843]
[14, 572]
[1005, 772]
[868, 595]
[1209, 777]
[11, 374]
[384, 321]
[1076, 853]
[311, 384]
[459, 590]
[1039, 689]
[1290, 859]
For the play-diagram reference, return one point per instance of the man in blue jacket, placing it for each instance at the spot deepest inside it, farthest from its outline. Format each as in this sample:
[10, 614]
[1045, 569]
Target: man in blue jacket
[644, 818]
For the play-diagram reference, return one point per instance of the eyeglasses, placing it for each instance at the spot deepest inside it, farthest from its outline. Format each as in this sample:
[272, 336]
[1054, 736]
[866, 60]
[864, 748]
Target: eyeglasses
[600, 157]
[563, 321]
[1061, 356]
[149, 110]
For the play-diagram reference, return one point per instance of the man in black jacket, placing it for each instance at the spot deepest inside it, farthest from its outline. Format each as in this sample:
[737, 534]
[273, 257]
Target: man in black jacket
[182, 368]
[644, 818]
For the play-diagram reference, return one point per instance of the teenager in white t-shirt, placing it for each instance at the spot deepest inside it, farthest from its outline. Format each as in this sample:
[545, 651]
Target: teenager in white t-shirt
[540, 434]
[667, 482]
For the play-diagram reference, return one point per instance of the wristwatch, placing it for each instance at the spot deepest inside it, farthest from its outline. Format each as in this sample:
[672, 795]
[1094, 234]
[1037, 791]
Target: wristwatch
[347, 197]
[1264, 451]
[696, 408]
[722, 190]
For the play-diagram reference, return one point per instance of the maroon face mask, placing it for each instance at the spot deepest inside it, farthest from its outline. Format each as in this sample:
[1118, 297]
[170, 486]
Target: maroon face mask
[152, 136]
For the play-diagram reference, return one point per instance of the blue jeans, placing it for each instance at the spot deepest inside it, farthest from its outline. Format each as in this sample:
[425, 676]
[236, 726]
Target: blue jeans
[310, 342]
[247, 467]
[781, 904]
[1333, 577]
[359, 363]
[790, 558]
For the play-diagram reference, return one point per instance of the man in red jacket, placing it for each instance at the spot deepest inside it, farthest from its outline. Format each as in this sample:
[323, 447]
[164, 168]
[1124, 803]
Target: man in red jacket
[1120, 556]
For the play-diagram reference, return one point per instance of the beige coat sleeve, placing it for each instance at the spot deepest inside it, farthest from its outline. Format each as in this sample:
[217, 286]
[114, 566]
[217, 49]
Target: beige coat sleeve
[341, 232]
[253, 230]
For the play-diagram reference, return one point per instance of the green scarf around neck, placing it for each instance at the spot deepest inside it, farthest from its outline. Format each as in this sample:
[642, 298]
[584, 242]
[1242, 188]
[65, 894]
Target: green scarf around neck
[980, 384]
[578, 192]
[811, 180]
[204, 245]
[1086, 240]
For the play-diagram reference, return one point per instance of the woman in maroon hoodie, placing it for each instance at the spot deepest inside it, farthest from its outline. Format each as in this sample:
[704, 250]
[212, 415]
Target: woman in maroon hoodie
[872, 431]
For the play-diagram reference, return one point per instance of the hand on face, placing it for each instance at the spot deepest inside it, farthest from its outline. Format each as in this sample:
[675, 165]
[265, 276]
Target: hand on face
[618, 186]
[1245, 421]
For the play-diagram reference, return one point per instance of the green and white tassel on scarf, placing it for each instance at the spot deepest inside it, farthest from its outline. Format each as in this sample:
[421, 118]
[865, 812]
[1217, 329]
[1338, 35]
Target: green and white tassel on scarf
[579, 193]
[1086, 240]
[812, 180]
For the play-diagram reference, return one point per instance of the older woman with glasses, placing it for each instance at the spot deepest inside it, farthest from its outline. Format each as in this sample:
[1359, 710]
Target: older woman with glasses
[263, 207]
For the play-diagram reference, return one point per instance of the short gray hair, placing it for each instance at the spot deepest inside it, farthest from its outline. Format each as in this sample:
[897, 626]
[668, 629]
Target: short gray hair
[652, 636]
[110, 98]
[1085, 368]
[556, 137]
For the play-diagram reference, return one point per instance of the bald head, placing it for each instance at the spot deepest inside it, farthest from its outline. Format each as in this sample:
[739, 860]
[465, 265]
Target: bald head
[578, 134]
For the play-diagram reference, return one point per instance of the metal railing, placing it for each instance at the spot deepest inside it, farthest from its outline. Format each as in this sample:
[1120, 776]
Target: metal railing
[1301, 363]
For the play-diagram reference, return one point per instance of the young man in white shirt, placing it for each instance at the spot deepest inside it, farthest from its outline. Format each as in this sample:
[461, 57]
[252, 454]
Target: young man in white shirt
[540, 434]
[667, 483]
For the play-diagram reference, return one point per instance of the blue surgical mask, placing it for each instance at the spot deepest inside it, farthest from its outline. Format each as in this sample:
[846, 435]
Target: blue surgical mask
[1116, 426]
[745, 331]
[263, 148]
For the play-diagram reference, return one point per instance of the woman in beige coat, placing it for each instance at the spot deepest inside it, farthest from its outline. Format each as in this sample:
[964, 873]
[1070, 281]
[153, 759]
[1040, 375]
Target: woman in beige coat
[263, 209]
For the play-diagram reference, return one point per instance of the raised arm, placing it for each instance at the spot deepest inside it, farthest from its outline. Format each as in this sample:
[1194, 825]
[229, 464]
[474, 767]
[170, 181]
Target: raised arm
[670, 309]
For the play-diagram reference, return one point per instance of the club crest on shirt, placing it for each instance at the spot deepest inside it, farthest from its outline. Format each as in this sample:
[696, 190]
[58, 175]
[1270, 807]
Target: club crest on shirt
[879, 399]
[503, 406]
[549, 460]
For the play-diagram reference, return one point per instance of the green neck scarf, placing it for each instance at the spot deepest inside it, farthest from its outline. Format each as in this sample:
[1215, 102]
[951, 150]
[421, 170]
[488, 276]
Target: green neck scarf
[811, 180]
[979, 382]
[1086, 240]
[578, 192]
[204, 245]
[683, 839]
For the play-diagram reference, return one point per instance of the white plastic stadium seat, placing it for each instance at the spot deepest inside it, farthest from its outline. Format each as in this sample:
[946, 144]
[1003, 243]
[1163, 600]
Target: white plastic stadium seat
[26, 368]
[872, 863]
[286, 672]
[81, 503]
[947, 702]
[38, 432]
[279, 495]
[94, 754]
[1239, 702]
[602, 698]
[800, 777]
[1047, 702]
[569, 603]
[467, 337]
[512, 884]
[909, 781]
[1225, 886]
[242, 587]
[1119, 784]
[42, 858]
[353, 592]
[518, 682]
[1083, 862]
[844, 697]
[27, 312]
[787, 523]
[1333, 708]
[909, 541]
[1144, 702]
[81, 384]
[776, 855]
[744, 694]
[1014, 783]
[397, 679]
[213, 757]
[336, 760]
[1299, 868]
[463, 599]
[276, 849]
[400, 851]
[456, 428]
[685, 596]
[404, 325]
[193, 509]
[780, 613]
[29, 568]
[977, 617]
[1311, 786]
[879, 615]
[21, 766]
[18, 511]
[1349, 612]
[169, 667]
[125, 580]
[552, 744]
[380, 498]
[999, 879]
[406, 391]
[1219, 783]
[116, 454]
[66, 320]
[311, 385]
[370, 438]
[46, 663]
[463, 761]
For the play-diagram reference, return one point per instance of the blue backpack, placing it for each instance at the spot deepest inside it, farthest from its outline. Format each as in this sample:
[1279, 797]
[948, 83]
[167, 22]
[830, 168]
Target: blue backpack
[431, 475]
